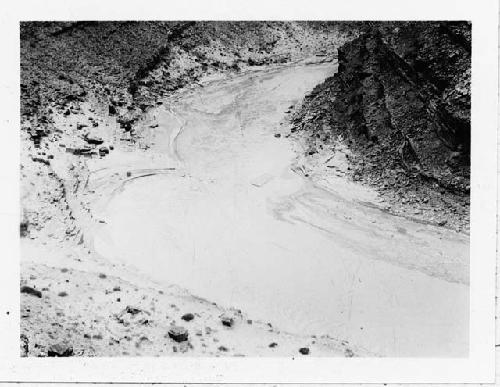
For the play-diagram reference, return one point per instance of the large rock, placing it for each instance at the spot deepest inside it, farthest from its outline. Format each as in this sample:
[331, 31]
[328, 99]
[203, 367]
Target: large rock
[60, 350]
[31, 291]
[178, 334]
[227, 320]
[93, 139]
[188, 317]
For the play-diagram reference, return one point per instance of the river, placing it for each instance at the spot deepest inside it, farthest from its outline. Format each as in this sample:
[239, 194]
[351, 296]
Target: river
[229, 220]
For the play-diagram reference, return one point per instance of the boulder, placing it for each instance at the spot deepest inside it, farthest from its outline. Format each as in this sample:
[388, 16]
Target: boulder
[81, 151]
[132, 310]
[348, 353]
[188, 317]
[178, 334]
[31, 291]
[93, 139]
[227, 320]
[104, 150]
[60, 350]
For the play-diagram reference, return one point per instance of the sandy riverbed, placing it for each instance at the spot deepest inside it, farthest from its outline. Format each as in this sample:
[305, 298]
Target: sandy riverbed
[228, 216]
[210, 201]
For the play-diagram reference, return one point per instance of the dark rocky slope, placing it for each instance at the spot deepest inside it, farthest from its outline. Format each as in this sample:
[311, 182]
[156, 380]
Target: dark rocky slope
[130, 64]
[401, 101]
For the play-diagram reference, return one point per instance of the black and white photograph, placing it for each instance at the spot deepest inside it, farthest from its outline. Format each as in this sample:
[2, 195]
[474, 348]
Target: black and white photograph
[219, 188]
[245, 188]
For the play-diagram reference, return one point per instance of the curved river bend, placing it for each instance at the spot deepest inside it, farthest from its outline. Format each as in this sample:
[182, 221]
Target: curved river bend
[233, 223]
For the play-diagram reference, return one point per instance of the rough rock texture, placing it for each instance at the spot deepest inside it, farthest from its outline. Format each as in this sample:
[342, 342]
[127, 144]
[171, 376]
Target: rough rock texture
[401, 101]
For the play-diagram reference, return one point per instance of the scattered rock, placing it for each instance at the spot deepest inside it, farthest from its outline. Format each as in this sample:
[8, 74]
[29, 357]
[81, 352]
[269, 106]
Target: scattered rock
[132, 310]
[188, 317]
[93, 139]
[227, 321]
[348, 352]
[80, 151]
[60, 350]
[125, 123]
[304, 351]
[104, 150]
[62, 294]
[178, 333]
[144, 321]
[23, 229]
[273, 345]
[31, 291]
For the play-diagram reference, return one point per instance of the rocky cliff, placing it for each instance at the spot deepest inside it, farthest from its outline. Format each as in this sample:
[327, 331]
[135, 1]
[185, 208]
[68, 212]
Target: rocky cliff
[401, 101]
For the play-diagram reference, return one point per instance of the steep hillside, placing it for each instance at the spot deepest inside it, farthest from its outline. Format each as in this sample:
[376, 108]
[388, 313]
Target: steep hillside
[401, 103]
[127, 64]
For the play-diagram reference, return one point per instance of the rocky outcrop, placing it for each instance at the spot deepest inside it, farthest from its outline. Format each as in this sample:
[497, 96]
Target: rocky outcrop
[401, 102]
[409, 97]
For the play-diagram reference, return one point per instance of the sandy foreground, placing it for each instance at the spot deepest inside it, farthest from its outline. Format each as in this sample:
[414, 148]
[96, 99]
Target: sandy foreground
[212, 198]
